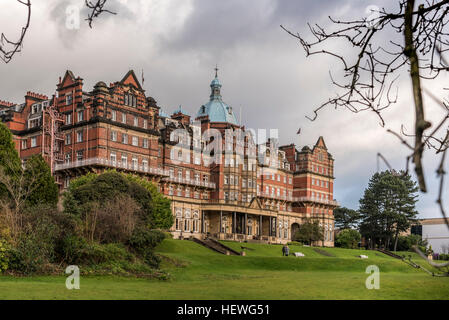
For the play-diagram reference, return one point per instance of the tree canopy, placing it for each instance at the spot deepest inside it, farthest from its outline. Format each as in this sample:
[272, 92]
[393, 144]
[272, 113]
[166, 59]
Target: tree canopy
[346, 218]
[309, 232]
[387, 207]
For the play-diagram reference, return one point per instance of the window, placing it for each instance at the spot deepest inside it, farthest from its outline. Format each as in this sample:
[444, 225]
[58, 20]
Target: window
[145, 164]
[24, 144]
[68, 138]
[130, 100]
[170, 191]
[114, 136]
[80, 116]
[114, 115]
[113, 158]
[79, 136]
[135, 163]
[187, 192]
[68, 118]
[226, 196]
[67, 158]
[124, 118]
[124, 160]
[145, 124]
[135, 141]
[33, 142]
[197, 160]
[34, 123]
[136, 122]
[68, 99]
[188, 174]
[79, 155]
[124, 138]
[289, 180]
[145, 143]
[243, 183]
[179, 193]
[179, 174]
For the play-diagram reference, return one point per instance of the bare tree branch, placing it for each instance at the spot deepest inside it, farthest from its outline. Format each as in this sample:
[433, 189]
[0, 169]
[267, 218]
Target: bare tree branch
[96, 8]
[8, 48]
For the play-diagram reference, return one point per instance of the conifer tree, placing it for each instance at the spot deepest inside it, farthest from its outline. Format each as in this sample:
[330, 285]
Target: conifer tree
[387, 208]
[10, 162]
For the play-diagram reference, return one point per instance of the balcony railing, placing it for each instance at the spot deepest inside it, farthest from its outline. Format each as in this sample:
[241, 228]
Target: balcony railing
[318, 200]
[112, 164]
[191, 182]
[275, 196]
[296, 199]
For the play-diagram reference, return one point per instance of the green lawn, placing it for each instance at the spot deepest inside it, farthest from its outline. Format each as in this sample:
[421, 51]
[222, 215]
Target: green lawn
[198, 273]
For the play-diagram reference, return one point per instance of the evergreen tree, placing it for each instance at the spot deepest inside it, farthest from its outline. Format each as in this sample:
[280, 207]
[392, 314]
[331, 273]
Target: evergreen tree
[10, 163]
[45, 189]
[162, 216]
[346, 218]
[387, 207]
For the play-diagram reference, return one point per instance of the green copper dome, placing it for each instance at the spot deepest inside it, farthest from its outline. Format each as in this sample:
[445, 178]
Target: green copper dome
[216, 109]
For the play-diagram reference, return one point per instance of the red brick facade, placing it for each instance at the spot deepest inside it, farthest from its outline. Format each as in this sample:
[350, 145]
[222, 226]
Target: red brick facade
[245, 197]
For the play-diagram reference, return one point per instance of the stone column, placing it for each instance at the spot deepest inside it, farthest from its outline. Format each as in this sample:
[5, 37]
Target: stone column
[270, 231]
[234, 224]
[202, 221]
[221, 221]
[246, 225]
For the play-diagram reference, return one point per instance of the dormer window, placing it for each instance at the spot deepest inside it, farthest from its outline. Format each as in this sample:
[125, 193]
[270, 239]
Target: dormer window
[130, 100]
[69, 99]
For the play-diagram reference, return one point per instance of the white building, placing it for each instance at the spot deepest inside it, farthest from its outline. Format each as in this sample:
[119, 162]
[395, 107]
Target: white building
[436, 232]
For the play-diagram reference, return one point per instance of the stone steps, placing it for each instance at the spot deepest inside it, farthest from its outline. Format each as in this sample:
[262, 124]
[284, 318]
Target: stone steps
[216, 246]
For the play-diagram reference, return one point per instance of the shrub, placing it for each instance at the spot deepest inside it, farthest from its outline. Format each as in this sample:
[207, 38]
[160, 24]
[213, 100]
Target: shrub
[94, 254]
[348, 238]
[406, 243]
[112, 222]
[144, 239]
[4, 259]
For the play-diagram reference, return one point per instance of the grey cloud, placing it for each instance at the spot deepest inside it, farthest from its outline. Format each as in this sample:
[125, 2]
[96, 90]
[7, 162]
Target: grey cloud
[264, 72]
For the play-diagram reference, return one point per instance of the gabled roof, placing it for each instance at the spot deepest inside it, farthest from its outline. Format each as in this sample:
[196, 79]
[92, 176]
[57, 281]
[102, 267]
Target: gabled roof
[68, 79]
[320, 143]
[130, 78]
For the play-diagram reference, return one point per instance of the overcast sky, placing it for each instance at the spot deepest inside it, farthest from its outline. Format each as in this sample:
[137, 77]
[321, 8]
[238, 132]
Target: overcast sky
[264, 71]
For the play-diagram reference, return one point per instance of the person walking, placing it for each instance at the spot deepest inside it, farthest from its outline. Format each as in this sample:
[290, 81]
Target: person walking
[287, 250]
[284, 250]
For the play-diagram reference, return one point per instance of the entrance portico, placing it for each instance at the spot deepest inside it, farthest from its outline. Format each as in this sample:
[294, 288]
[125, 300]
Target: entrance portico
[241, 224]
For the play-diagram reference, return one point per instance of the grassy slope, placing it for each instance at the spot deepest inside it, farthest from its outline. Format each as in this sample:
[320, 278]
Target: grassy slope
[262, 274]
